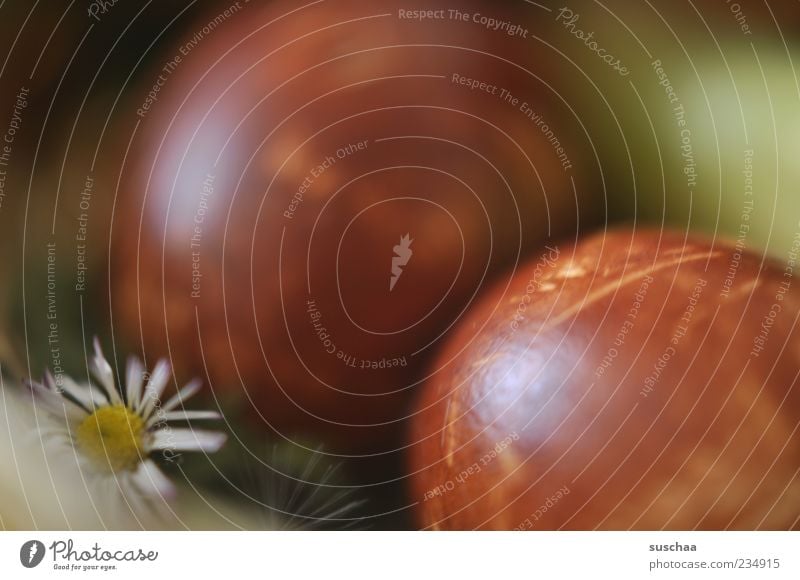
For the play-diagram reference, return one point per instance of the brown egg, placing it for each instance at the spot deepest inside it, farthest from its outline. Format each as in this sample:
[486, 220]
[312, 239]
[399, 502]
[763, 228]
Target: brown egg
[635, 381]
[317, 193]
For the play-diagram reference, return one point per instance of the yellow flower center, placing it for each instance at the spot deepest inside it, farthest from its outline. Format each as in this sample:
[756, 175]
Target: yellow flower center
[112, 437]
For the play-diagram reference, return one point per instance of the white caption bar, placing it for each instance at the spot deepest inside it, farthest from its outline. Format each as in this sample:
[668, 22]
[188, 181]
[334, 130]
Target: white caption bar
[354, 555]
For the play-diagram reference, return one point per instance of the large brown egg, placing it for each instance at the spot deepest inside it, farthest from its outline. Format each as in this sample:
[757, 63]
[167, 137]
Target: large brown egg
[316, 193]
[635, 381]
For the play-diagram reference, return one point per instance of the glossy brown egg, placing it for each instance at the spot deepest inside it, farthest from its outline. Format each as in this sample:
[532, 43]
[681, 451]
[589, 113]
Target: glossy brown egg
[317, 193]
[635, 381]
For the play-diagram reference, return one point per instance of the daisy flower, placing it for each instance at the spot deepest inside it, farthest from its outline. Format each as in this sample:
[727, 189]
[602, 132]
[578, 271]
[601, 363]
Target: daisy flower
[114, 431]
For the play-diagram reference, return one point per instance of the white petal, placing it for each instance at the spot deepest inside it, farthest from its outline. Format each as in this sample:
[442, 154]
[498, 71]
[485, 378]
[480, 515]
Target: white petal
[184, 394]
[103, 372]
[134, 381]
[155, 387]
[151, 481]
[131, 499]
[50, 382]
[61, 409]
[191, 415]
[87, 395]
[48, 433]
[54, 402]
[161, 417]
[67, 385]
[187, 440]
